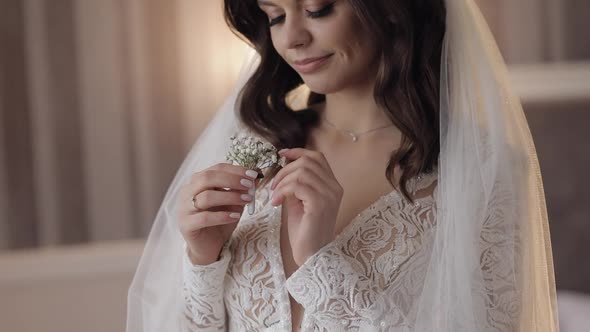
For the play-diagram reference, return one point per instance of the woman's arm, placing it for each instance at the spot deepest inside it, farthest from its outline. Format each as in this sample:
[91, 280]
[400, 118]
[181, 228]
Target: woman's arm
[203, 294]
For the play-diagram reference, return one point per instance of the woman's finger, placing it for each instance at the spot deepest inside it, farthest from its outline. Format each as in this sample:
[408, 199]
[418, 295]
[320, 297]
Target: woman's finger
[303, 161]
[235, 169]
[223, 176]
[191, 223]
[301, 191]
[297, 153]
[306, 176]
[209, 199]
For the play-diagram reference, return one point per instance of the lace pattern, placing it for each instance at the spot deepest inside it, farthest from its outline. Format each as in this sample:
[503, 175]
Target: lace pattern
[368, 278]
[499, 274]
[348, 284]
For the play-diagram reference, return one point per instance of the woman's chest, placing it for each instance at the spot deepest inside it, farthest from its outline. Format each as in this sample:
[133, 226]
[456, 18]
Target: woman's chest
[360, 191]
[360, 169]
[363, 183]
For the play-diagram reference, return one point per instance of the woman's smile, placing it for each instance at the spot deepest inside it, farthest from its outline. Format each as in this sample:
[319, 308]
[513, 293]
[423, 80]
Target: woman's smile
[311, 65]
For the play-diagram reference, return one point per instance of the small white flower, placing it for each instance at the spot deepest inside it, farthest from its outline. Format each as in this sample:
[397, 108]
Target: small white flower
[252, 152]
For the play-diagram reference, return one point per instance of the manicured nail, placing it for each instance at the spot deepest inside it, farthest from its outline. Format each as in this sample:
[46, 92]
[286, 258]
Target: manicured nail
[251, 174]
[283, 151]
[246, 197]
[247, 183]
[234, 215]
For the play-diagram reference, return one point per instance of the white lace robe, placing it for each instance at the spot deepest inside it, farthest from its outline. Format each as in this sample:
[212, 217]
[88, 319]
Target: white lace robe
[367, 279]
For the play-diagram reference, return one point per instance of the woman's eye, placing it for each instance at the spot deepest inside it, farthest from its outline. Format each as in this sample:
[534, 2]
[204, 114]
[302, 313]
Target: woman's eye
[327, 10]
[276, 20]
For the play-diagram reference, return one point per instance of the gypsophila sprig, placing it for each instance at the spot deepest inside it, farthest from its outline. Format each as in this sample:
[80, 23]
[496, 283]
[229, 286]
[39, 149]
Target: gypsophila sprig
[253, 153]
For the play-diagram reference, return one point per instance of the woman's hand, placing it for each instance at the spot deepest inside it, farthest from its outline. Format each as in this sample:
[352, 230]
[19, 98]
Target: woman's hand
[312, 196]
[220, 194]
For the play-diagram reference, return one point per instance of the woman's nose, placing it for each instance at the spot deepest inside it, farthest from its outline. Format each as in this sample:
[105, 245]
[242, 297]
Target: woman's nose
[296, 34]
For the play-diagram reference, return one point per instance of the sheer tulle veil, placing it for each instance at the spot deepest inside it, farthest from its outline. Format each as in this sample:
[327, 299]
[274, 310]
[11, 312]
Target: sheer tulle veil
[491, 267]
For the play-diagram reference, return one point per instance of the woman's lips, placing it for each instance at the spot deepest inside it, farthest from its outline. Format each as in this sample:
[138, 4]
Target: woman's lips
[310, 65]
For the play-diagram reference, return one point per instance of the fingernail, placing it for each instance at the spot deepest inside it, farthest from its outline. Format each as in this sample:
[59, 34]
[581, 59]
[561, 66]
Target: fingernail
[283, 151]
[234, 215]
[252, 174]
[247, 183]
[246, 197]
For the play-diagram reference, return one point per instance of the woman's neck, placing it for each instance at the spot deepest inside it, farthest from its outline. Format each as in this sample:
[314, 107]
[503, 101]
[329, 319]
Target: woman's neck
[354, 110]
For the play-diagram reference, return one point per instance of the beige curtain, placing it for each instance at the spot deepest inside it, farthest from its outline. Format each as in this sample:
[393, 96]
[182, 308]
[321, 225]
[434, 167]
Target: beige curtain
[99, 103]
[101, 99]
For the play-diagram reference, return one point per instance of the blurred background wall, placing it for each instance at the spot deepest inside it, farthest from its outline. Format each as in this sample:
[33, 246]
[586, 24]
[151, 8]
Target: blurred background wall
[101, 100]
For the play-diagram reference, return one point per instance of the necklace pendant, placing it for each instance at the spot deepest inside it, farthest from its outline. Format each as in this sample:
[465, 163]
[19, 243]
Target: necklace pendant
[354, 137]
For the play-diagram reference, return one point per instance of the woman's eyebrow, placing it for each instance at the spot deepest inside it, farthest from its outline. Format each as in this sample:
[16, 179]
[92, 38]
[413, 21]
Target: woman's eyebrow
[266, 3]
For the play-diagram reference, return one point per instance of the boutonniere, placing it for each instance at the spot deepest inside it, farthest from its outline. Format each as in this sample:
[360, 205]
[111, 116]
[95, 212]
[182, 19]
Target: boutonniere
[253, 153]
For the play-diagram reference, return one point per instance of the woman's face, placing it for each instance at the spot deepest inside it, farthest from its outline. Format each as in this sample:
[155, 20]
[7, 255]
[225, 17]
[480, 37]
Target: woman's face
[324, 41]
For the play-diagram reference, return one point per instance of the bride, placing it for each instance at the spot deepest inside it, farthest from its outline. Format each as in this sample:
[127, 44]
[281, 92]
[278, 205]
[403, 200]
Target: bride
[409, 197]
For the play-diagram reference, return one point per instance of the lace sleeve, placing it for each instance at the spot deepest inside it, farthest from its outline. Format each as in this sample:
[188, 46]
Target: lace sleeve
[203, 294]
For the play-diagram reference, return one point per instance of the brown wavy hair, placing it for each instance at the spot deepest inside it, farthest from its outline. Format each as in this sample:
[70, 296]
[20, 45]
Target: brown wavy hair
[409, 34]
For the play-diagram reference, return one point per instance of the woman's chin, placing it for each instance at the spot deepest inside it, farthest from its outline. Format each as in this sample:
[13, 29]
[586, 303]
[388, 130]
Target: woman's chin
[321, 86]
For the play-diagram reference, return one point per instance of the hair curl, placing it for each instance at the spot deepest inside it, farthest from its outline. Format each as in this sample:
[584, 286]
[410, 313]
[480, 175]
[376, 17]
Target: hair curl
[410, 36]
